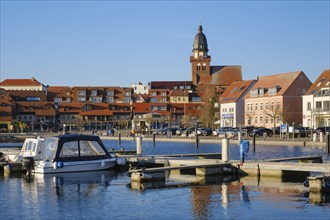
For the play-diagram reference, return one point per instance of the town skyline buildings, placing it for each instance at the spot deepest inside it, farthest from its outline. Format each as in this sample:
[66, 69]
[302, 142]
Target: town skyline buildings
[120, 43]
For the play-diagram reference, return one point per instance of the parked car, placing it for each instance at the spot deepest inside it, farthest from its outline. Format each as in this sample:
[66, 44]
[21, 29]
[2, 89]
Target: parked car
[224, 132]
[204, 131]
[260, 132]
[324, 130]
[304, 131]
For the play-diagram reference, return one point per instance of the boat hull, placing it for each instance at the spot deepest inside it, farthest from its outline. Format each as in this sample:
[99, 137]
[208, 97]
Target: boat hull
[74, 166]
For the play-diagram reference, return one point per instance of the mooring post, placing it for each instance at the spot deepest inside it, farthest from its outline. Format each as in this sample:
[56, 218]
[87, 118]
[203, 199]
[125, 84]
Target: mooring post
[254, 141]
[197, 141]
[328, 142]
[139, 145]
[225, 145]
[119, 139]
[154, 139]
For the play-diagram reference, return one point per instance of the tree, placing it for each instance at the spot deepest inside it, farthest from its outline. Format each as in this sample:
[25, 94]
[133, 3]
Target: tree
[275, 113]
[207, 112]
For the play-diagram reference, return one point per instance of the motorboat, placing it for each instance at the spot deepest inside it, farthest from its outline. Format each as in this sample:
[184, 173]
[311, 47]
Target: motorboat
[74, 153]
[32, 147]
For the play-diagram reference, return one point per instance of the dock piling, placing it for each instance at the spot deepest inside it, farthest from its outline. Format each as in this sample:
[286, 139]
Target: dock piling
[119, 139]
[328, 143]
[254, 142]
[139, 145]
[154, 139]
[225, 146]
[197, 141]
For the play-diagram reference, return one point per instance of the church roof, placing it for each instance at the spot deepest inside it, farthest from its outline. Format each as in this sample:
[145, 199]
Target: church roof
[225, 75]
[200, 42]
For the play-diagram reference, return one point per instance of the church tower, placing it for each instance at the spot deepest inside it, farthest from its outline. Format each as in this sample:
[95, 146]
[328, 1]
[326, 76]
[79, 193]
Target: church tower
[200, 60]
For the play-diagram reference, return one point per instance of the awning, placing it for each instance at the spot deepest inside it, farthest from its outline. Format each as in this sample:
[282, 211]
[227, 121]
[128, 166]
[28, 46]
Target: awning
[217, 122]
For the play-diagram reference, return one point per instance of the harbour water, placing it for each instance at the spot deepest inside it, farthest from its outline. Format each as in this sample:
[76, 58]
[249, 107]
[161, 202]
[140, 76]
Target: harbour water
[109, 194]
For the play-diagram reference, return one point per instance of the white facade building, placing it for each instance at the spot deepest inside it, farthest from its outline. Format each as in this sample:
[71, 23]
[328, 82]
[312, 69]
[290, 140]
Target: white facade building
[316, 102]
[139, 88]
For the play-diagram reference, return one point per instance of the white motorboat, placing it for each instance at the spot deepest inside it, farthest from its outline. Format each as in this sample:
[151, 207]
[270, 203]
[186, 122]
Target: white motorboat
[73, 153]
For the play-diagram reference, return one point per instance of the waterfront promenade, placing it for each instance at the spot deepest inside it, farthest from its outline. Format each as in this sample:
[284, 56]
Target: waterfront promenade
[274, 141]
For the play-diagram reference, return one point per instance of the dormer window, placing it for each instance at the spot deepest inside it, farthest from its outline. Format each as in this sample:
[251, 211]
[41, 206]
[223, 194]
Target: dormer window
[234, 89]
[86, 108]
[321, 81]
[127, 93]
[94, 93]
[110, 93]
[254, 93]
[153, 94]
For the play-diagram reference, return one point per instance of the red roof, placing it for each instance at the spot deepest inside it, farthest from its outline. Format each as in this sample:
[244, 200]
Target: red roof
[20, 82]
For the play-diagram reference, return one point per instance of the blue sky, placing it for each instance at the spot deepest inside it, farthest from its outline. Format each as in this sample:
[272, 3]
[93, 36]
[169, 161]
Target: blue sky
[103, 43]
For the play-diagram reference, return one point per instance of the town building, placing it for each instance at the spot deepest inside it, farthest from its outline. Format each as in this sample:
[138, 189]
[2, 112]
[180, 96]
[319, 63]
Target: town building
[23, 84]
[316, 102]
[276, 99]
[139, 88]
[232, 104]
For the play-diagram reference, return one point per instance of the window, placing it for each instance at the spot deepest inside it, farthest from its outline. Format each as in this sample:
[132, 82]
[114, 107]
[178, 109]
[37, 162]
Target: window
[261, 120]
[204, 66]
[254, 93]
[86, 108]
[326, 105]
[163, 108]
[318, 105]
[153, 100]
[164, 100]
[90, 148]
[256, 106]
[33, 99]
[96, 99]
[266, 120]
[196, 99]
[255, 120]
[163, 93]
[81, 92]
[110, 93]
[278, 105]
[188, 87]
[266, 105]
[145, 88]
[110, 99]
[261, 106]
[272, 106]
[128, 93]
[127, 99]
[70, 149]
[57, 99]
[94, 92]
[181, 87]
[261, 92]
[242, 88]
[321, 81]
[234, 89]
[81, 99]
[309, 106]
[153, 94]
[272, 91]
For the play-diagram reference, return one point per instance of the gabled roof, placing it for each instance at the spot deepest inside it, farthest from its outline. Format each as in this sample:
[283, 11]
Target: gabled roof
[235, 91]
[323, 81]
[20, 82]
[282, 81]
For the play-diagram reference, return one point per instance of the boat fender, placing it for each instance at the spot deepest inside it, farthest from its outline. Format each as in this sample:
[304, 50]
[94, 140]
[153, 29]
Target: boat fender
[121, 161]
[58, 164]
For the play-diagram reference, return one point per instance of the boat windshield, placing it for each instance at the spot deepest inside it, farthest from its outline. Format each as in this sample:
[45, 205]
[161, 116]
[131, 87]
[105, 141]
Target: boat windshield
[49, 151]
[87, 148]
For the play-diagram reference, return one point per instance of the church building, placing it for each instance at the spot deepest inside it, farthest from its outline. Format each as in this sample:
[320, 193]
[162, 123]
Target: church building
[203, 72]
